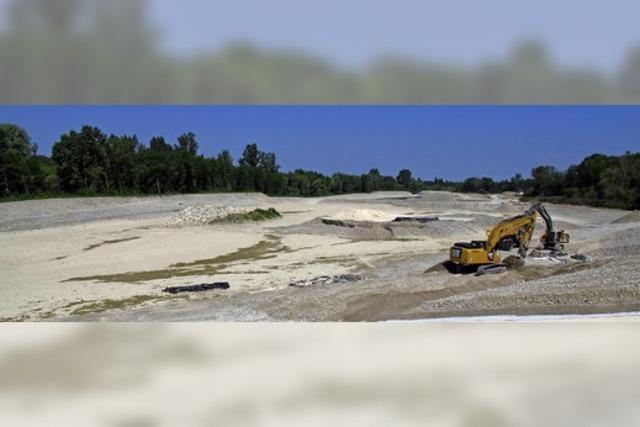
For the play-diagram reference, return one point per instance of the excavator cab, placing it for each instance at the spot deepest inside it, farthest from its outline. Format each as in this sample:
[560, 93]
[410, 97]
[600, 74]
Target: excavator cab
[472, 253]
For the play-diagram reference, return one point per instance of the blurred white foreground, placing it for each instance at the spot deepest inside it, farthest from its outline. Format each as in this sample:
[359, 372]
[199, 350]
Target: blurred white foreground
[320, 374]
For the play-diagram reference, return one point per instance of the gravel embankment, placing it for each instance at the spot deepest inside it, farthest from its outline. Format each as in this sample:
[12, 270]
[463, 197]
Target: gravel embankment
[203, 215]
[37, 214]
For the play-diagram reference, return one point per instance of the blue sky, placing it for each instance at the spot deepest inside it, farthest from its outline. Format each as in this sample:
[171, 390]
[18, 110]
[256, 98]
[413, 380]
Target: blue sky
[451, 142]
[578, 33]
[582, 33]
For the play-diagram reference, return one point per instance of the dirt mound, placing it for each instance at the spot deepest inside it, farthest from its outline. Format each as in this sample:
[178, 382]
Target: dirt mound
[371, 230]
[441, 267]
[355, 230]
[630, 217]
[370, 215]
[618, 244]
[435, 229]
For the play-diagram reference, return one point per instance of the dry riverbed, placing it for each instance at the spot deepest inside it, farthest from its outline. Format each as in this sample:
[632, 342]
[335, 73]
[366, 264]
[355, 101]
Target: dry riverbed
[110, 258]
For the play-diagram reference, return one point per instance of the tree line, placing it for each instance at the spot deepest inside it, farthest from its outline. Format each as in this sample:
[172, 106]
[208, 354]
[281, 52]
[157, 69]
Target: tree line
[599, 180]
[90, 162]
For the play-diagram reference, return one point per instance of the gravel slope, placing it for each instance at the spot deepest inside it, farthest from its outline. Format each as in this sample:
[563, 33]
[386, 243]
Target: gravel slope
[38, 214]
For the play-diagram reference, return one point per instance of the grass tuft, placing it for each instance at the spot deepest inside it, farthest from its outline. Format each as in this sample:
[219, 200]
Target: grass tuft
[255, 215]
[265, 249]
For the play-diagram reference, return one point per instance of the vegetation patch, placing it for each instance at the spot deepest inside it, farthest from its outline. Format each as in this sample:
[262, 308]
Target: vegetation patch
[254, 215]
[130, 277]
[265, 249]
[113, 304]
[51, 314]
[110, 242]
[343, 261]
[21, 318]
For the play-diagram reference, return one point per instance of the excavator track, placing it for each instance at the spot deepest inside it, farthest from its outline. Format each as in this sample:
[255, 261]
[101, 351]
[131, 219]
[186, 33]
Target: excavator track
[492, 269]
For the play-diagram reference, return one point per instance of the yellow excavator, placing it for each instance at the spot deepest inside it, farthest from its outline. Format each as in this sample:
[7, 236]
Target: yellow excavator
[484, 255]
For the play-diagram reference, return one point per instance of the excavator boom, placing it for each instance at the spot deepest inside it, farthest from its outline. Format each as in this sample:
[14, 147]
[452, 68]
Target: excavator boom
[516, 231]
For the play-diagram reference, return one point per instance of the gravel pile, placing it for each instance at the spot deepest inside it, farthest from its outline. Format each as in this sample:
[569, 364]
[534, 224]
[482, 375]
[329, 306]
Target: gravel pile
[633, 216]
[203, 215]
[371, 215]
[325, 280]
[39, 214]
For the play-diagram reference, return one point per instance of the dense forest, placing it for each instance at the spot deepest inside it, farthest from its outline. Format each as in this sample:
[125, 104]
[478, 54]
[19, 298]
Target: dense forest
[90, 162]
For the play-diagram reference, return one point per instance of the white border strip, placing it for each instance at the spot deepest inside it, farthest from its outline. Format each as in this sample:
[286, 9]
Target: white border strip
[630, 316]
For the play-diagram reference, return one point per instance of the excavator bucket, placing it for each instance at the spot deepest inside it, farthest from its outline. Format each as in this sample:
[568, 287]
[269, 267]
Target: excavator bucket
[562, 236]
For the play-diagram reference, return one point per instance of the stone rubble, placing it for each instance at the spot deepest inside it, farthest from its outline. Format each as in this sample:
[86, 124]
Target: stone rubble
[325, 280]
[204, 214]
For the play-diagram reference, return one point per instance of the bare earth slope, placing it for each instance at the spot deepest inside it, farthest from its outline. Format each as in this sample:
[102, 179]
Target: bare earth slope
[110, 258]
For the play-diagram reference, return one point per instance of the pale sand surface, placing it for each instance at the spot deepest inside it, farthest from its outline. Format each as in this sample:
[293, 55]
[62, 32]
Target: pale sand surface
[37, 264]
[109, 259]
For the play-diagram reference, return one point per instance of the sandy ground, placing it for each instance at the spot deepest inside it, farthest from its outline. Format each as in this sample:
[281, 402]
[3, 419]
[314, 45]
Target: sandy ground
[109, 259]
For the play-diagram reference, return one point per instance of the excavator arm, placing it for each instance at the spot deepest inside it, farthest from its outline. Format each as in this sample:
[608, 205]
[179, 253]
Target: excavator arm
[552, 240]
[516, 231]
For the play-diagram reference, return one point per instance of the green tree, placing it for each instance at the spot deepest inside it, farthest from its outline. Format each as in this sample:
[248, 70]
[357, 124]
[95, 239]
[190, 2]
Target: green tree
[187, 143]
[517, 183]
[372, 181]
[389, 183]
[16, 160]
[158, 143]
[547, 181]
[589, 171]
[267, 162]
[48, 176]
[404, 179]
[155, 171]
[472, 185]
[318, 188]
[250, 156]
[81, 160]
[244, 178]
[121, 154]
[225, 171]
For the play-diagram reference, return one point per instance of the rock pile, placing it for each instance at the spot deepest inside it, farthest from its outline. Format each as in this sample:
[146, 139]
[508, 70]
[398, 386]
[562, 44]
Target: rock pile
[325, 280]
[203, 215]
